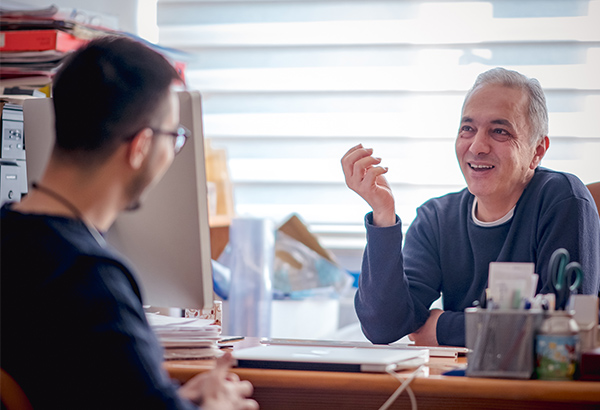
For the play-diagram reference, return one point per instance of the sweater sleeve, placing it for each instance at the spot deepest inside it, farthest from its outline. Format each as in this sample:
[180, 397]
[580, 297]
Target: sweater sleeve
[573, 224]
[450, 329]
[389, 303]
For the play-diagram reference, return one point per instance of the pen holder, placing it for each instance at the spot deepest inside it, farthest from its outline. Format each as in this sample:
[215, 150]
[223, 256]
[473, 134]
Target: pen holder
[501, 342]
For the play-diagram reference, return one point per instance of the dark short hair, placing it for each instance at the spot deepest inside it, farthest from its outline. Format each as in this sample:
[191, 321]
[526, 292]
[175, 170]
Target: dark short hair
[105, 92]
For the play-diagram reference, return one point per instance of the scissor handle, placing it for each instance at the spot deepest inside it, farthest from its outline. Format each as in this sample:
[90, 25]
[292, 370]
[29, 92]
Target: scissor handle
[558, 264]
[573, 276]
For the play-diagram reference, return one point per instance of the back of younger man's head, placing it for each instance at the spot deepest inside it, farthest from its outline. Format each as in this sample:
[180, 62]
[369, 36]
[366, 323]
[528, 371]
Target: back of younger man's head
[106, 92]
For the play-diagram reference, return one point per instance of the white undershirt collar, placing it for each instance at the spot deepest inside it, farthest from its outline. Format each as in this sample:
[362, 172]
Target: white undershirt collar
[497, 222]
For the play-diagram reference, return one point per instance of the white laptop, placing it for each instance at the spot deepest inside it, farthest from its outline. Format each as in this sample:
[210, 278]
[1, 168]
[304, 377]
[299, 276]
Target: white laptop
[322, 358]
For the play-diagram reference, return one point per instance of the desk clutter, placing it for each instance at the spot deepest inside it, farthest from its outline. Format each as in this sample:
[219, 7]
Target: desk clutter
[262, 263]
[514, 334]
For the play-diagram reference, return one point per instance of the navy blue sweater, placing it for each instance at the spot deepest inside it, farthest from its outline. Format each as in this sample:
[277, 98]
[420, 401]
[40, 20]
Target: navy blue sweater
[74, 333]
[445, 252]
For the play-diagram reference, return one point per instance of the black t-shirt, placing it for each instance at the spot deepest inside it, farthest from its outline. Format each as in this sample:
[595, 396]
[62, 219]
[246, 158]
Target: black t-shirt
[73, 330]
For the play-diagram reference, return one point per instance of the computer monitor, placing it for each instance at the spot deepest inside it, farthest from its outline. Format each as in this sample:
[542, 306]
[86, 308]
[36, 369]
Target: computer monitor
[168, 238]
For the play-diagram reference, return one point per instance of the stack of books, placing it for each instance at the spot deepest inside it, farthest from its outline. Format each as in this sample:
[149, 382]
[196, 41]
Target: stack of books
[35, 41]
[186, 338]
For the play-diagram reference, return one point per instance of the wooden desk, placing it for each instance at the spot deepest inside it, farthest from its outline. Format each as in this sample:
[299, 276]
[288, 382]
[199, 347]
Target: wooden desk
[289, 389]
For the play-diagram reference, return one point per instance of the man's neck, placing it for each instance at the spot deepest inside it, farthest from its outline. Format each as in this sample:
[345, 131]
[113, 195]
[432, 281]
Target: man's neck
[492, 213]
[489, 210]
[508, 216]
[92, 194]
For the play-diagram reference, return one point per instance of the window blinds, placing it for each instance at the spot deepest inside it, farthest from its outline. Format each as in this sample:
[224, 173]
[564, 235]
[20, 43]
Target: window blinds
[288, 86]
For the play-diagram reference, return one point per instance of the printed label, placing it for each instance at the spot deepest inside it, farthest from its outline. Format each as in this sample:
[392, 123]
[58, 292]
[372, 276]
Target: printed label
[556, 356]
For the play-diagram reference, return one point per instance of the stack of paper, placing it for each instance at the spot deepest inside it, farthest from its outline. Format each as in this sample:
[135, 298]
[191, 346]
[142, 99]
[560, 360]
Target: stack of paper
[186, 338]
[511, 283]
[34, 41]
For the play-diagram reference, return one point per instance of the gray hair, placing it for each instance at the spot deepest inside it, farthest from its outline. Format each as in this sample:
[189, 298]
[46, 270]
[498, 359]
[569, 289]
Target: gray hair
[538, 111]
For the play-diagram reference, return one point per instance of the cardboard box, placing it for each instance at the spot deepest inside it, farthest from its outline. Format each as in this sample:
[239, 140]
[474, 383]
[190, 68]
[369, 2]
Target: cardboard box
[302, 265]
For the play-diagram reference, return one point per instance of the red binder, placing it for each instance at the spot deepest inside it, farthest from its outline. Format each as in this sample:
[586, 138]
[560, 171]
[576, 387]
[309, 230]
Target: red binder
[39, 40]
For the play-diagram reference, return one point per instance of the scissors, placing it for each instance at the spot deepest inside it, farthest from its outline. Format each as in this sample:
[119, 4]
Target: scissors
[565, 277]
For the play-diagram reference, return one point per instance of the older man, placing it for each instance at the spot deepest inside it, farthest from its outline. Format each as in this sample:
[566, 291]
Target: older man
[512, 211]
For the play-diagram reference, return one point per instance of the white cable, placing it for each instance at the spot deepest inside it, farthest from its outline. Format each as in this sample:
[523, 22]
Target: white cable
[411, 395]
[403, 386]
[413, 399]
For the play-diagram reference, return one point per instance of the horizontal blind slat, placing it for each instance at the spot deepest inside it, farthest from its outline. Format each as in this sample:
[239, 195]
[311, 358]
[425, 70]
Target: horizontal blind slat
[369, 124]
[384, 32]
[426, 78]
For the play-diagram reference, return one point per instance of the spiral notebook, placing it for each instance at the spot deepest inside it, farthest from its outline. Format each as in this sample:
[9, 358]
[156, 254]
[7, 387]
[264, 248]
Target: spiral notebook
[337, 359]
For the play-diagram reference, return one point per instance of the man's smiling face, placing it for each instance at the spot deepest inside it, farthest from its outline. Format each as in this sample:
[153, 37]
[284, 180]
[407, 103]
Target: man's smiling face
[494, 146]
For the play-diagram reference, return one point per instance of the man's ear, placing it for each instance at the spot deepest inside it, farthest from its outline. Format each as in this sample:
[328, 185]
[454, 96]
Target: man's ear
[539, 152]
[139, 147]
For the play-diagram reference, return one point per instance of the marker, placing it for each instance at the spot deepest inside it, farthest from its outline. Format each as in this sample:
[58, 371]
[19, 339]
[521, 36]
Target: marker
[231, 339]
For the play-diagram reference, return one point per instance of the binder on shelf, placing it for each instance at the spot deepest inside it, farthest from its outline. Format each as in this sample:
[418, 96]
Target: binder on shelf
[15, 10]
[39, 40]
[32, 49]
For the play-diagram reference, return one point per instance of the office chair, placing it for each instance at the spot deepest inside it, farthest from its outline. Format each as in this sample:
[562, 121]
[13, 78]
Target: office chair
[595, 190]
[11, 394]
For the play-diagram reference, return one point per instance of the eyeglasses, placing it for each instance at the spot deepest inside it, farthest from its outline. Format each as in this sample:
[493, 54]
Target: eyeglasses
[180, 136]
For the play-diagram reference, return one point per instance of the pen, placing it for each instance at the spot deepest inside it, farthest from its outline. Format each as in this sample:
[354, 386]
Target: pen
[231, 339]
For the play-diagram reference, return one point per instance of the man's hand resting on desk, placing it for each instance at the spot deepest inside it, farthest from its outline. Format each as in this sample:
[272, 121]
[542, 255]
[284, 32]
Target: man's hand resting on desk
[426, 335]
[218, 389]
